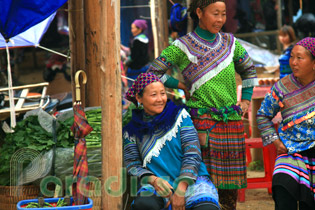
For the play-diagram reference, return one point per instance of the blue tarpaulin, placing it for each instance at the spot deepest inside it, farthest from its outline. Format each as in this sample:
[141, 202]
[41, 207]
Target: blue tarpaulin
[16, 16]
[30, 37]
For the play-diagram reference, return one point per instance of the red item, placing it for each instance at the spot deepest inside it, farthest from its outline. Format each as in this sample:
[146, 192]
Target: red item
[269, 158]
[80, 129]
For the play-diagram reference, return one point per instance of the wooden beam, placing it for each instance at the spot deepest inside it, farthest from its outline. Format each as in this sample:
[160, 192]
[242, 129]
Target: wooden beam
[77, 42]
[190, 22]
[162, 24]
[111, 104]
[154, 27]
[92, 25]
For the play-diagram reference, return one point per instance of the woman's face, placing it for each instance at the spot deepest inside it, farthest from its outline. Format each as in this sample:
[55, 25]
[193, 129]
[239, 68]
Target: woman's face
[301, 63]
[284, 39]
[153, 99]
[212, 17]
[135, 30]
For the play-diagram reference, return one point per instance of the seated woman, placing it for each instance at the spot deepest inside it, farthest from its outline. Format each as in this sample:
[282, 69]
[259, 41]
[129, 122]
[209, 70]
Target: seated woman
[161, 148]
[293, 182]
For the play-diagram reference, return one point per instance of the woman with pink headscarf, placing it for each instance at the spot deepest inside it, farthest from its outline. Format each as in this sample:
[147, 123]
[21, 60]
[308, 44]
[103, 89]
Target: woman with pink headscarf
[138, 59]
[293, 182]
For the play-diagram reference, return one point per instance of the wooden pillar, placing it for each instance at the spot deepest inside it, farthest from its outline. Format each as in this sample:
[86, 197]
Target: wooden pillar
[77, 42]
[162, 24]
[154, 27]
[111, 104]
[93, 52]
[190, 22]
[159, 25]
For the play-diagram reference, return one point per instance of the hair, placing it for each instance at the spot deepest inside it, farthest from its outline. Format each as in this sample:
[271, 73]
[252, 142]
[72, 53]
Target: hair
[288, 30]
[310, 54]
[199, 4]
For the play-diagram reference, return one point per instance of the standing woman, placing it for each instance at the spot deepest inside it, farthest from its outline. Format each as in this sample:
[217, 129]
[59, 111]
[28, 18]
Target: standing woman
[294, 96]
[287, 39]
[138, 59]
[208, 60]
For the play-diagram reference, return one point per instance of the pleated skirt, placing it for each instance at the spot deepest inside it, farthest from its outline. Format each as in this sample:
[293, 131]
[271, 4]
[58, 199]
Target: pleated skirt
[224, 151]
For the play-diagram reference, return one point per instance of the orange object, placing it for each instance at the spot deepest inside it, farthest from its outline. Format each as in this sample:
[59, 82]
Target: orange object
[33, 94]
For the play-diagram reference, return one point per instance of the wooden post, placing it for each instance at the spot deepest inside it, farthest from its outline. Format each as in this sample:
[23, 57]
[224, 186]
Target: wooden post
[190, 22]
[111, 105]
[159, 25]
[162, 24]
[93, 51]
[77, 42]
[154, 27]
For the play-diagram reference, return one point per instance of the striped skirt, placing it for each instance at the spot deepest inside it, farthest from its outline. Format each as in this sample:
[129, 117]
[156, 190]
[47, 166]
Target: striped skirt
[223, 151]
[296, 173]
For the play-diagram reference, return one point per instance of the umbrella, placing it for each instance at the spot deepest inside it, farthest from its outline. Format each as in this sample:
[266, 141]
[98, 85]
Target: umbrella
[80, 129]
[17, 17]
[30, 37]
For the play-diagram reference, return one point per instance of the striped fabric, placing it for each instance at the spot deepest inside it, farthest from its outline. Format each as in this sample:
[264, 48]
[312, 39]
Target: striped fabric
[225, 154]
[296, 173]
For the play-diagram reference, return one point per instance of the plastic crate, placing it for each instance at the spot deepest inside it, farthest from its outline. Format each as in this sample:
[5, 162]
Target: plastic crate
[21, 205]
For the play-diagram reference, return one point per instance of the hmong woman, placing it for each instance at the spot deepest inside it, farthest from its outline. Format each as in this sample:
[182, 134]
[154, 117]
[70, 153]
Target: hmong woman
[161, 148]
[139, 58]
[294, 96]
[208, 60]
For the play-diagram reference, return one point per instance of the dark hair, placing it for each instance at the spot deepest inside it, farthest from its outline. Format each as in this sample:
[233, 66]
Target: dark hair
[199, 4]
[310, 54]
[286, 29]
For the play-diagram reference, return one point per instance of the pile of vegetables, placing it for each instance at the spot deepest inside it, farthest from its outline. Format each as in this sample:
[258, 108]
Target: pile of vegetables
[61, 202]
[28, 133]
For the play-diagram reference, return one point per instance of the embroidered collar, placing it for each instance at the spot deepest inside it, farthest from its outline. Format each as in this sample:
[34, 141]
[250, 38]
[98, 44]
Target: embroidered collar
[140, 126]
[204, 34]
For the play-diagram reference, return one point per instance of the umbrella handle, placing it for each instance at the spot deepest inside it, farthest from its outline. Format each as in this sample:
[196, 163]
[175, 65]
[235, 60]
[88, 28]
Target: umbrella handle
[77, 84]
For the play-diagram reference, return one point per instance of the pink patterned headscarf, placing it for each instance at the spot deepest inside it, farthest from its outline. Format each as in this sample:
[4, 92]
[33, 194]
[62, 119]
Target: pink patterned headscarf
[308, 43]
[143, 80]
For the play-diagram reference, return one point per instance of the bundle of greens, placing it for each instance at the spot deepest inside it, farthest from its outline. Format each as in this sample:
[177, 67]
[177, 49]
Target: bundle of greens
[29, 134]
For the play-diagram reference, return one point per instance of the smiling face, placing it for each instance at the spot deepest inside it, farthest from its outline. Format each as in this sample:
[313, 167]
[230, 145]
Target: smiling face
[212, 17]
[153, 98]
[302, 63]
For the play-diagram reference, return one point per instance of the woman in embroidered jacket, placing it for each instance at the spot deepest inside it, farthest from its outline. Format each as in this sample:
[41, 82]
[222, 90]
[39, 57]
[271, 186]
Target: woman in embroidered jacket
[208, 60]
[294, 96]
[161, 148]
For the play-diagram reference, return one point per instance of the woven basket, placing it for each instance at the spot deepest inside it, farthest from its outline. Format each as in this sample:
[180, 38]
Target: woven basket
[11, 195]
[97, 200]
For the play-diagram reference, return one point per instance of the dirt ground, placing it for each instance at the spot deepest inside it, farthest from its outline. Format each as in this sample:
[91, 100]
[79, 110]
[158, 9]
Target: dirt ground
[256, 199]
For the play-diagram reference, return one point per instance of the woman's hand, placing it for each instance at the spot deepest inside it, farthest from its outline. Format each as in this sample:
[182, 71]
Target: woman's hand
[244, 104]
[162, 187]
[178, 198]
[280, 148]
[183, 87]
